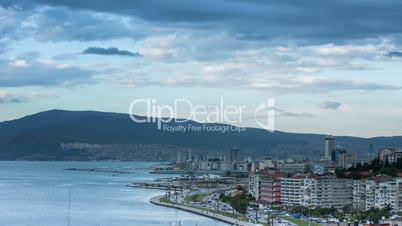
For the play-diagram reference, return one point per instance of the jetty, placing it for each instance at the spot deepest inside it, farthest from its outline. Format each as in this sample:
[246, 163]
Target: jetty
[157, 186]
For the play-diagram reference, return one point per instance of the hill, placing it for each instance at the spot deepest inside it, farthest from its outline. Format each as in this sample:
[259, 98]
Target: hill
[114, 136]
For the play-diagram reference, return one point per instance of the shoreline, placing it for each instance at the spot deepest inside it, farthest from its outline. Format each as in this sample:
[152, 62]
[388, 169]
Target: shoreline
[218, 217]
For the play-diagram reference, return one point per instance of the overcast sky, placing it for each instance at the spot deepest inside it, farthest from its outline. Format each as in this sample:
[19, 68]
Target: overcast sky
[333, 66]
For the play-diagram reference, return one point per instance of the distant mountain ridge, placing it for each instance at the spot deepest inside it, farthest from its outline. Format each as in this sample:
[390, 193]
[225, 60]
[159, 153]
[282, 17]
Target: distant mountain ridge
[39, 137]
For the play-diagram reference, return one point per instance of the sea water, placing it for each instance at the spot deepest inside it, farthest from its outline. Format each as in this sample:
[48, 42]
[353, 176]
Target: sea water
[38, 194]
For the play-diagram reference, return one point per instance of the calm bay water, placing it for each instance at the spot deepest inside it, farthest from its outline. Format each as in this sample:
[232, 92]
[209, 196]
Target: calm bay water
[37, 194]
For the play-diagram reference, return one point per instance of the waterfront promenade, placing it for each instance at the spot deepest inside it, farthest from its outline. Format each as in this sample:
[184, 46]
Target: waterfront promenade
[219, 217]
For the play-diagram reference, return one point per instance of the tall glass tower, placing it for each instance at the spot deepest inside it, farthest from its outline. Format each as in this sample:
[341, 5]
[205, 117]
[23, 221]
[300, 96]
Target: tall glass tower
[329, 145]
[371, 155]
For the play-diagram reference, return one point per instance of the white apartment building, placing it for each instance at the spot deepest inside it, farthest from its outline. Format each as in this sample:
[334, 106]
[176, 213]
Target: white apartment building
[292, 193]
[386, 194]
[389, 155]
[327, 192]
[378, 192]
[321, 192]
[363, 194]
[333, 192]
[254, 183]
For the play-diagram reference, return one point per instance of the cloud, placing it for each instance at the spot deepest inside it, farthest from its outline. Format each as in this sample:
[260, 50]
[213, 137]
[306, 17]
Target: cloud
[28, 56]
[241, 76]
[276, 46]
[285, 113]
[303, 20]
[3, 46]
[309, 84]
[295, 114]
[7, 97]
[10, 20]
[54, 24]
[330, 105]
[21, 72]
[191, 45]
[201, 28]
[128, 80]
[230, 55]
[65, 56]
[394, 54]
[110, 51]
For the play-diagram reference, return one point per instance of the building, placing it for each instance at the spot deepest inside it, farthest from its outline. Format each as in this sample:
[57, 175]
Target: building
[317, 192]
[254, 183]
[385, 193]
[189, 156]
[390, 155]
[336, 152]
[371, 154]
[332, 192]
[292, 190]
[307, 190]
[242, 166]
[270, 188]
[254, 167]
[399, 194]
[377, 192]
[179, 157]
[226, 166]
[266, 164]
[300, 168]
[345, 160]
[205, 165]
[234, 154]
[342, 158]
[359, 194]
[318, 168]
[329, 145]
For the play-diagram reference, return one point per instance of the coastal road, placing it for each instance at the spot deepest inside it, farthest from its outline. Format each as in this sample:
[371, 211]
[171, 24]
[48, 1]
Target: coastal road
[219, 217]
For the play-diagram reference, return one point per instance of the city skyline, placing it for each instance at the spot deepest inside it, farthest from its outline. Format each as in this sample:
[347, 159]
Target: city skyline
[333, 67]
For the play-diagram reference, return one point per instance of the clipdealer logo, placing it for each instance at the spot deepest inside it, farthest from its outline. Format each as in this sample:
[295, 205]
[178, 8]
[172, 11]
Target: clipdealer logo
[264, 115]
[181, 115]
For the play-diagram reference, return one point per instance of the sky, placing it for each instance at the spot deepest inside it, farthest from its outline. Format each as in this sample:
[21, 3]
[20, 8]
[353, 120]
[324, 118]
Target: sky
[333, 67]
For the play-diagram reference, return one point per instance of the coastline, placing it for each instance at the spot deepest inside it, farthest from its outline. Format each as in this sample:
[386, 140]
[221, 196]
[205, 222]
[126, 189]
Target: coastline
[219, 217]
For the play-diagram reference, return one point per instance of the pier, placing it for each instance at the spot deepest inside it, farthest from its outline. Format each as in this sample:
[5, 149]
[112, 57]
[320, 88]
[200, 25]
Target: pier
[157, 186]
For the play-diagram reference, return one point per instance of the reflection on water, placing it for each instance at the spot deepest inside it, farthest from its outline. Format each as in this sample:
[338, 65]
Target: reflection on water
[36, 193]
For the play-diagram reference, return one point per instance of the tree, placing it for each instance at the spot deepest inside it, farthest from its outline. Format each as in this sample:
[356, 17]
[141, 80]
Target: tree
[239, 202]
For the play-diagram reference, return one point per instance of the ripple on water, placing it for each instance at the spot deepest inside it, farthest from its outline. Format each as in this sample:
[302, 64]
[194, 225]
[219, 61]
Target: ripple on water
[36, 193]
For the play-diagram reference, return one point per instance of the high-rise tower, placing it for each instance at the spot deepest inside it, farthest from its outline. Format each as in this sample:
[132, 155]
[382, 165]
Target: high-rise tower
[371, 151]
[234, 154]
[329, 145]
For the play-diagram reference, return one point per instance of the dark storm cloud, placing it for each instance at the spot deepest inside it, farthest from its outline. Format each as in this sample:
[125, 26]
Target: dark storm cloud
[306, 20]
[110, 51]
[395, 54]
[55, 24]
[330, 105]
